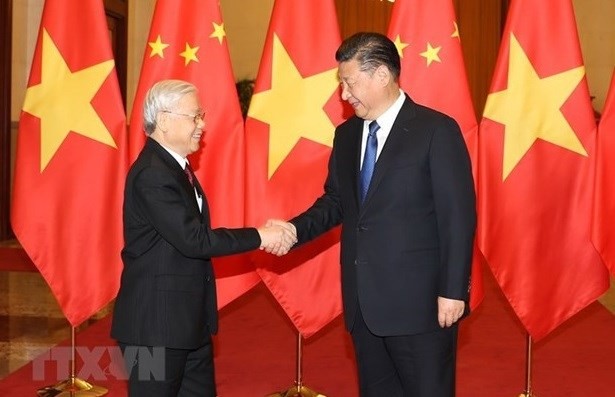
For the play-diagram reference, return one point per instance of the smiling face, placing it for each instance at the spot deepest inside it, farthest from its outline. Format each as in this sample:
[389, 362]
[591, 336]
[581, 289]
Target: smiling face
[182, 127]
[364, 90]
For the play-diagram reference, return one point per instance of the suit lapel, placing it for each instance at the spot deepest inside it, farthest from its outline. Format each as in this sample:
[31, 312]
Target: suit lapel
[392, 146]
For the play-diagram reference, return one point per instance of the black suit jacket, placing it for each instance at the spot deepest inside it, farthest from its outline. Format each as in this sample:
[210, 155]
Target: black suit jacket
[411, 240]
[167, 294]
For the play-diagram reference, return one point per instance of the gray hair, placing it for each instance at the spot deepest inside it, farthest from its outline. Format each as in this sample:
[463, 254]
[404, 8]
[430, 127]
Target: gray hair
[163, 96]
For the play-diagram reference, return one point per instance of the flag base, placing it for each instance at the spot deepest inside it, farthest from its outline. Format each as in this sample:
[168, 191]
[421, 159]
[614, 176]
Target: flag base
[300, 391]
[72, 387]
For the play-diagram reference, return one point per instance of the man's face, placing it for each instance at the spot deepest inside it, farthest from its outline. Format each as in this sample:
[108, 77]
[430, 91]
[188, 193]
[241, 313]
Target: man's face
[359, 88]
[185, 125]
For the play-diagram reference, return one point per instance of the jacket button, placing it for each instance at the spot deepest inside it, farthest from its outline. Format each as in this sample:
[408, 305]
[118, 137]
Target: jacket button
[207, 279]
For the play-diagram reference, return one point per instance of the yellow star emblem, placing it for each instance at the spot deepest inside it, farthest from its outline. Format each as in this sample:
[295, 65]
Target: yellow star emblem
[189, 54]
[530, 108]
[218, 32]
[455, 30]
[157, 47]
[294, 106]
[62, 101]
[400, 46]
[431, 54]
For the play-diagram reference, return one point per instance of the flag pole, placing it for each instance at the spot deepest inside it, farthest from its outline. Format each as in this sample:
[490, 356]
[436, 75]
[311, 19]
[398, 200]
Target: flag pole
[528, 369]
[299, 390]
[72, 386]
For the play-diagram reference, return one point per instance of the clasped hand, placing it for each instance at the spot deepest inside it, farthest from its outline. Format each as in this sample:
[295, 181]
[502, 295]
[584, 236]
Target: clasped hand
[277, 236]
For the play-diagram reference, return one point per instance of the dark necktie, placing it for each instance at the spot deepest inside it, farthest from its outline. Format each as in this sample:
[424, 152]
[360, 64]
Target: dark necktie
[369, 158]
[189, 174]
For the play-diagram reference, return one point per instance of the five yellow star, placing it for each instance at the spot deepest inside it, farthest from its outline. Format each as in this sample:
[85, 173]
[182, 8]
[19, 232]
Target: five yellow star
[294, 106]
[530, 108]
[189, 54]
[218, 32]
[400, 46]
[62, 101]
[157, 47]
[431, 54]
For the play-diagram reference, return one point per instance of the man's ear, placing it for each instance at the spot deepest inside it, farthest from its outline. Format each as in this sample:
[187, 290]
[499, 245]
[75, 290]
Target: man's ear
[162, 121]
[383, 74]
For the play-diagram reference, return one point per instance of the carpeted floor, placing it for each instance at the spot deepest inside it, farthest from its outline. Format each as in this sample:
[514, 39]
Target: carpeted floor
[255, 354]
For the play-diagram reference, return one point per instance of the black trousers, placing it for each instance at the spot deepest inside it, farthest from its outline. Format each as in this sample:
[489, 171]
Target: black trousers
[421, 365]
[165, 372]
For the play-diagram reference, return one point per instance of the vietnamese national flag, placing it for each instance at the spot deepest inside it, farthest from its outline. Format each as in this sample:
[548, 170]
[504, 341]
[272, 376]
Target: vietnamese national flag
[433, 73]
[603, 229]
[537, 144]
[71, 159]
[289, 131]
[187, 41]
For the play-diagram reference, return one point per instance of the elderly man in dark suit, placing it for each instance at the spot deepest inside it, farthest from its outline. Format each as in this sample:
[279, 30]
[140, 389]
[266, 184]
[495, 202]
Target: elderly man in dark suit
[400, 183]
[166, 311]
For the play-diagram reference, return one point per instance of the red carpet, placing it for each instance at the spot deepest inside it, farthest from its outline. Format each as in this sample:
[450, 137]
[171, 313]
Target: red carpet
[255, 354]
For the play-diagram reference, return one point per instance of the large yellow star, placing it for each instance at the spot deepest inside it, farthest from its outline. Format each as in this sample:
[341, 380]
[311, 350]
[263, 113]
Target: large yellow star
[62, 101]
[530, 108]
[400, 46]
[157, 47]
[189, 54]
[294, 106]
[218, 32]
[431, 54]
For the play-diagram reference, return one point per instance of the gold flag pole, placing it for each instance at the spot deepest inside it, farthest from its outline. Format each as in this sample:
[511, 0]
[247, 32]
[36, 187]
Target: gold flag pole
[528, 370]
[72, 386]
[299, 390]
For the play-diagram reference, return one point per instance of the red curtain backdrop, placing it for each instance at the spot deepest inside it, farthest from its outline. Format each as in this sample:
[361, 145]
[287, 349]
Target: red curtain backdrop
[289, 132]
[187, 41]
[71, 159]
[433, 74]
[537, 169]
[603, 229]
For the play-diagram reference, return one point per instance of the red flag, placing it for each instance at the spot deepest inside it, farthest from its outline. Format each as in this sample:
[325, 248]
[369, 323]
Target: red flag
[71, 159]
[536, 174]
[292, 118]
[433, 74]
[604, 194]
[187, 41]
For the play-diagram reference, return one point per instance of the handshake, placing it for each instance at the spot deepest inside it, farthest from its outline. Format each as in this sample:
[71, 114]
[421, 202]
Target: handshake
[277, 236]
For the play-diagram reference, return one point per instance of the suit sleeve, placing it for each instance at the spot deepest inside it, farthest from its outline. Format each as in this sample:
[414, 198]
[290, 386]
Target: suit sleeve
[164, 202]
[455, 207]
[325, 213]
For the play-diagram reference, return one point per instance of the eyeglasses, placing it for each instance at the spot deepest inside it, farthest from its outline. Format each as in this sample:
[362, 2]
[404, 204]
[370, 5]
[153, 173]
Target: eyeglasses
[195, 117]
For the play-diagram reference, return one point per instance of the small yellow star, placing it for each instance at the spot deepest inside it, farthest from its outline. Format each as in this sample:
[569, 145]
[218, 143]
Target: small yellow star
[294, 106]
[400, 46]
[218, 32]
[530, 107]
[62, 101]
[157, 47]
[431, 54]
[189, 54]
[455, 30]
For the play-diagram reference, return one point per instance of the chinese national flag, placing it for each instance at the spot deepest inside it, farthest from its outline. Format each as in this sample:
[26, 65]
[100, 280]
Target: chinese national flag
[536, 174]
[187, 41]
[290, 128]
[71, 159]
[603, 231]
[433, 74]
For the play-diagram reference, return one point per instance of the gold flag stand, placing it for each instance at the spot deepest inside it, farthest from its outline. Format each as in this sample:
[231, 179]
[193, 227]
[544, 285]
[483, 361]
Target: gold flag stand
[528, 370]
[299, 390]
[72, 386]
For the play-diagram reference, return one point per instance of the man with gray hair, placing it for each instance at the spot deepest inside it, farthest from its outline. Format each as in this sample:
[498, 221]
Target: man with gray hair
[166, 308]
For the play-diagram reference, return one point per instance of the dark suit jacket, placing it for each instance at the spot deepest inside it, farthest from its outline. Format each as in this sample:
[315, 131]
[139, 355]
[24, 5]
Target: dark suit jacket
[167, 294]
[411, 240]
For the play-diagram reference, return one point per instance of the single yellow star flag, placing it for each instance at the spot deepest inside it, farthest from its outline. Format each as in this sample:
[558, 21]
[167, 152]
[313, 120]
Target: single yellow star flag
[71, 160]
[294, 106]
[63, 101]
[537, 167]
